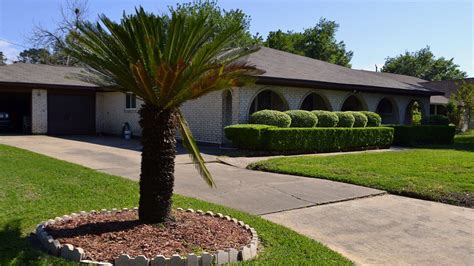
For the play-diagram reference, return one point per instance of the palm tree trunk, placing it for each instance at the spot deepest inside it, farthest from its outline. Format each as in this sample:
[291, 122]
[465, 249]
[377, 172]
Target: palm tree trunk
[157, 167]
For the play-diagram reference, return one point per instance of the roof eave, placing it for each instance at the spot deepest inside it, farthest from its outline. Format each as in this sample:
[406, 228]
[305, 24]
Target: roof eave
[6, 84]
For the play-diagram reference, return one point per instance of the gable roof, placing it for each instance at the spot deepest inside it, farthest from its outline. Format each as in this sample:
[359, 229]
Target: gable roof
[40, 75]
[448, 87]
[283, 68]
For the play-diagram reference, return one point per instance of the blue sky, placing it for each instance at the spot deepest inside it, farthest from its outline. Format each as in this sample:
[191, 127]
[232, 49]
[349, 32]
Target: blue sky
[372, 29]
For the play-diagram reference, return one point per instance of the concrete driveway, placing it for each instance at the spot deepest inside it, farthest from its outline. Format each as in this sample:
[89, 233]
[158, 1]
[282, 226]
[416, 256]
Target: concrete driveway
[366, 225]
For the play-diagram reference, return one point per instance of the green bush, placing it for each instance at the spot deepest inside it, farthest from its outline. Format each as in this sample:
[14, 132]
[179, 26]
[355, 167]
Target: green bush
[360, 120]
[302, 118]
[405, 135]
[271, 118]
[247, 137]
[438, 120]
[326, 118]
[326, 139]
[346, 119]
[373, 119]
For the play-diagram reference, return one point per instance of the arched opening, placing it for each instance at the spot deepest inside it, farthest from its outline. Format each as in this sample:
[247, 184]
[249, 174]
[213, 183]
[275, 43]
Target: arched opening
[414, 113]
[314, 102]
[388, 111]
[267, 99]
[352, 103]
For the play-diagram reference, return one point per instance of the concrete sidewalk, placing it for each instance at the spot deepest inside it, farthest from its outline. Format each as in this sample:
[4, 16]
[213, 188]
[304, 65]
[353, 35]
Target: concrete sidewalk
[366, 225]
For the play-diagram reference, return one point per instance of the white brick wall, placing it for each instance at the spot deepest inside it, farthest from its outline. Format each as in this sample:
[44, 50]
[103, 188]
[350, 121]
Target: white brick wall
[111, 114]
[39, 111]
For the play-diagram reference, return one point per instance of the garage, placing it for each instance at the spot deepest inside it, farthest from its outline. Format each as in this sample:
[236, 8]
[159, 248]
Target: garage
[71, 113]
[15, 112]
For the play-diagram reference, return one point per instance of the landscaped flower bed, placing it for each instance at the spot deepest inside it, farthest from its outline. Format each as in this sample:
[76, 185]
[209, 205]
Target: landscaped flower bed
[117, 236]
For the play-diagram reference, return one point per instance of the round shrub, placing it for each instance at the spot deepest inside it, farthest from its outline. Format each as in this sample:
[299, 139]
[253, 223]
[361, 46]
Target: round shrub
[373, 119]
[360, 120]
[346, 119]
[326, 118]
[302, 118]
[438, 120]
[271, 118]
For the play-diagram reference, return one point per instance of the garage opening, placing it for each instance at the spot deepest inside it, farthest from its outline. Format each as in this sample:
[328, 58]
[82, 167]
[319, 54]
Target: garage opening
[71, 114]
[15, 112]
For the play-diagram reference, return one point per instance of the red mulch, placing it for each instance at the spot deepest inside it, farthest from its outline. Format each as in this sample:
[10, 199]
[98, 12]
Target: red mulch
[104, 237]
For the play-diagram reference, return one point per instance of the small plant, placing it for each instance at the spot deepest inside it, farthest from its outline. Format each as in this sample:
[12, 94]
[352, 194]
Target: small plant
[302, 118]
[373, 119]
[326, 118]
[360, 120]
[346, 119]
[271, 118]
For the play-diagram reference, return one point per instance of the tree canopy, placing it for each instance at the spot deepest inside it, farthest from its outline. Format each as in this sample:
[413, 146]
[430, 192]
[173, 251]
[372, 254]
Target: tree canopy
[423, 64]
[3, 59]
[318, 42]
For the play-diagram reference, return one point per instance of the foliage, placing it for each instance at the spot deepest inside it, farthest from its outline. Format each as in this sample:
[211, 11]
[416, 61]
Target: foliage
[300, 140]
[302, 118]
[165, 61]
[248, 137]
[373, 119]
[3, 59]
[438, 120]
[318, 42]
[326, 118]
[465, 99]
[271, 118]
[442, 173]
[424, 65]
[345, 119]
[30, 193]
[360, 119]
[35, 56]
[453, 111]
[423, 134]
[416, 115]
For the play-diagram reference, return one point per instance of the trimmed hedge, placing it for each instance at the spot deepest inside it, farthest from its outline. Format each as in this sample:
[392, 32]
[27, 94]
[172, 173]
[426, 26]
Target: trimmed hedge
[245, 136]
[345, 119]
[326, 118]
[438, 120]
[271, 118]
[373, 119]
[360, 120]
[301, 140]
[405, 135]
[302, 118]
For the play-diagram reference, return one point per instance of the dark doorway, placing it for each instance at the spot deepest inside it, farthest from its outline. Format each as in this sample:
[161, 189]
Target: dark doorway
[388, 111]
[352, 103]
[71, 114]
[267, 99]
[314, 102]
[15, 112]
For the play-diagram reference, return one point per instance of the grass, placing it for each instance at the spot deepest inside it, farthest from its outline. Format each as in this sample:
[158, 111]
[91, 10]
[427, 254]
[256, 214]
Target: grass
[34, 188]
[438, 173]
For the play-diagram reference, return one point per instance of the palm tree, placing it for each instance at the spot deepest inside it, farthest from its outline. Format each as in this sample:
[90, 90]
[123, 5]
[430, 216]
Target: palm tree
[165, 61]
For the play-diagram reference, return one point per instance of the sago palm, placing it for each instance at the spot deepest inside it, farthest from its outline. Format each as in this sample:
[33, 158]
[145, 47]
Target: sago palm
[165, 61]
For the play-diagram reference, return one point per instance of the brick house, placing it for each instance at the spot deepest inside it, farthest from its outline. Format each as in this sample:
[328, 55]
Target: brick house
[46, 100]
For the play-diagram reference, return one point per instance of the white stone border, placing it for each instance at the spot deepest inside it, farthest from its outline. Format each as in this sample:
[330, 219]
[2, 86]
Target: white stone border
[69, 252]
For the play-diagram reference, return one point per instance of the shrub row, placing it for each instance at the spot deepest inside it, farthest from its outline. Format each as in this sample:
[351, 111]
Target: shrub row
[297, 140]
[405, 135]
[317, 118]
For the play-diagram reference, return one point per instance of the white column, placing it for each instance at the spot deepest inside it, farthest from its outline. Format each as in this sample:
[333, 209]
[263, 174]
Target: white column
[39, 111]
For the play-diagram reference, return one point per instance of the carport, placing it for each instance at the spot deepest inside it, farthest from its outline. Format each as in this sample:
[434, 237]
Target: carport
[15, 111]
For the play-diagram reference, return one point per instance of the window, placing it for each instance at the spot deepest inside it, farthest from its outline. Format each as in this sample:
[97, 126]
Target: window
[130, 101]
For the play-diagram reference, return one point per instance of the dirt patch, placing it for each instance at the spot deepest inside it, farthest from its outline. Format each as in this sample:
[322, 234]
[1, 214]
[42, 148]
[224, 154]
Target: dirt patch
[104, 237]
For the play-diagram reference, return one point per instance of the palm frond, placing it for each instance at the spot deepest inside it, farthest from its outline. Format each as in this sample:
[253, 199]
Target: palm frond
[190, 144]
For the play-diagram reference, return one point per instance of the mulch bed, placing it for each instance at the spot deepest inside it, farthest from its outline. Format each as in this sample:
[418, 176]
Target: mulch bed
[104, 237]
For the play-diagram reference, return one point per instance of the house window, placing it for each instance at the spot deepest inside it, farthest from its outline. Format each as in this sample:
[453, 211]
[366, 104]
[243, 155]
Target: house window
[130, 101]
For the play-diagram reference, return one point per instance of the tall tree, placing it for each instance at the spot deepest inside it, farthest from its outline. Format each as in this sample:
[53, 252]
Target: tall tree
[165, 61]
[465, 99]
[423, 64]
[3, 59]
[318, 42]
[35, 56]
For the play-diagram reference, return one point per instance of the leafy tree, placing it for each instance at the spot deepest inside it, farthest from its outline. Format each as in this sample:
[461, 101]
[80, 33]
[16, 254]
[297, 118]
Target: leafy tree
[424, 65]
[453, 111]
[220, 19]
[35, 56]
[165, 61]
[3, 59]
[318, 42]
[465, 99]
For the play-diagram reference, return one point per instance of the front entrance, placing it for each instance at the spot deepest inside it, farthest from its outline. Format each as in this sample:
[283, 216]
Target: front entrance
[71, 114]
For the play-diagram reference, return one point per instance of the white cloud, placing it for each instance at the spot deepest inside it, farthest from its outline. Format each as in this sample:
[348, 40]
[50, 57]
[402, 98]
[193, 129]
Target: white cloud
[9, 51]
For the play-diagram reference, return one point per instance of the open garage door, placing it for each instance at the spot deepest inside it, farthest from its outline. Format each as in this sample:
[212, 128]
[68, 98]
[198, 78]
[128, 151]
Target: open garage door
[15, 112]
[71, 114]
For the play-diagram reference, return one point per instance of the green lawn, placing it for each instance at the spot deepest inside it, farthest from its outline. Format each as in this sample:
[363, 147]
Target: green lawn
[439, 173]
[35, 188]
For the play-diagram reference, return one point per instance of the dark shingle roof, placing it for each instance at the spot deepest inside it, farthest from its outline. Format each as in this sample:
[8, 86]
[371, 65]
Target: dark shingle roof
[39, 74]
[446, 86]
[283, 65]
